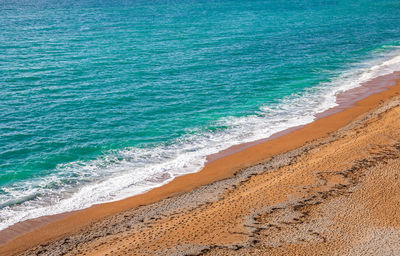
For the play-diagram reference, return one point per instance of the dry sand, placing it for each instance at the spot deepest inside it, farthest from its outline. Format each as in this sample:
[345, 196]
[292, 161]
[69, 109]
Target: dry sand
[329, 188]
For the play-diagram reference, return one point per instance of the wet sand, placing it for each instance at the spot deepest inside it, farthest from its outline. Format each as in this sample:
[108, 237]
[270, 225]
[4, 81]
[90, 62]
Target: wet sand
[328, 188]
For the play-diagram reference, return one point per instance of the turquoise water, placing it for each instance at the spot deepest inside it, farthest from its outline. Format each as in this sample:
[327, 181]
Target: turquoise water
[100, 100]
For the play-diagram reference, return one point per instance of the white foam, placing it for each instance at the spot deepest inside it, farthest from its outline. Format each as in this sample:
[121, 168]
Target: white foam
[131, 171]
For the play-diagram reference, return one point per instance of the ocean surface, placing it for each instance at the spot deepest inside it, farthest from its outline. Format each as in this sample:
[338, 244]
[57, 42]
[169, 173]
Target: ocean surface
[101, 100]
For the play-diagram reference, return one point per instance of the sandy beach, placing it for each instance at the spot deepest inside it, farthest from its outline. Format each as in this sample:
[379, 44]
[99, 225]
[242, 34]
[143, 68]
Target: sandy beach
[331, 187]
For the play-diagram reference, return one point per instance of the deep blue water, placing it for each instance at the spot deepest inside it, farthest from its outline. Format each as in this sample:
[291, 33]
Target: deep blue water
[108, 99]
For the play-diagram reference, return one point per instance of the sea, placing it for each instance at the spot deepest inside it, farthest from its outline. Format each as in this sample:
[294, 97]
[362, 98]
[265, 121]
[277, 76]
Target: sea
[102, 100]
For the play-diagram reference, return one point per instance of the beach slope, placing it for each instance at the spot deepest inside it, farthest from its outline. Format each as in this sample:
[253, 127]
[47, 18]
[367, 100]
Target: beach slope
[337, 194]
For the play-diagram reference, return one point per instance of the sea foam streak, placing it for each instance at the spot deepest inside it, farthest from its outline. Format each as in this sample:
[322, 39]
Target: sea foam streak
[132, 171]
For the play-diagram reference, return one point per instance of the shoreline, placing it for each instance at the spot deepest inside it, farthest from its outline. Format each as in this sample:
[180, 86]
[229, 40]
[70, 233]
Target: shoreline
[222, 165]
